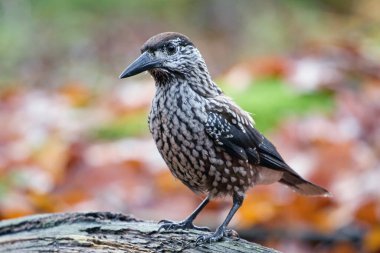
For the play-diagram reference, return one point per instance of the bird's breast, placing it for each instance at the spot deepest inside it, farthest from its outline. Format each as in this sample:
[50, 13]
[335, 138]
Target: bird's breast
[176, 121]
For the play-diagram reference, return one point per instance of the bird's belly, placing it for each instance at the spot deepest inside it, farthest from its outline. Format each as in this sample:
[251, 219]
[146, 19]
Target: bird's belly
[191, 157]
[183, 144]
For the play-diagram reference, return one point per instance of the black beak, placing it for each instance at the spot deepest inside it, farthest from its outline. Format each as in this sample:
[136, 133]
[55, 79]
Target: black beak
[144, 62]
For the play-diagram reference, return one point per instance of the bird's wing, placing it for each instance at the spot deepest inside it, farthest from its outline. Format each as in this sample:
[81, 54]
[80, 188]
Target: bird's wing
[232, 129]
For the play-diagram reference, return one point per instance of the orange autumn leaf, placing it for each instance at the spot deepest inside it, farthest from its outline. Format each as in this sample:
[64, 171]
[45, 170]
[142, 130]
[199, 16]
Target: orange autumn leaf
[44, 202]
[52, 156]
[72, 197]
[15, 205]
[372, 240]
[368, 212]
[256, 209]
[76, 93]
[167, 183]
[343, 247]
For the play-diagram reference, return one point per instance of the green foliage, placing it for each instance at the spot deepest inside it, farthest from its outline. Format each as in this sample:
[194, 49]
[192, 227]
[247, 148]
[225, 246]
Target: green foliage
[129, 125]
[7, 181]
[271, 100]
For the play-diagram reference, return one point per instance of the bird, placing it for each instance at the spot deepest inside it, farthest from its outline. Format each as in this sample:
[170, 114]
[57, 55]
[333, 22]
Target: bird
[208, 142]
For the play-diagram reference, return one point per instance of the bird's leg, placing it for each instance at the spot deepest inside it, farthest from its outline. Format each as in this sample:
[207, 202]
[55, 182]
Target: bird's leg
[221, 230]
[188, 222]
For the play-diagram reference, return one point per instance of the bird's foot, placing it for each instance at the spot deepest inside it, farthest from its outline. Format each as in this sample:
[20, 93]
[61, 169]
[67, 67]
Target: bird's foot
[186, 224]
[218, 235]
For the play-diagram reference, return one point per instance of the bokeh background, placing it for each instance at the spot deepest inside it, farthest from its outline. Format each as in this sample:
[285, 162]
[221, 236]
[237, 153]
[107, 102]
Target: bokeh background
[74, 137]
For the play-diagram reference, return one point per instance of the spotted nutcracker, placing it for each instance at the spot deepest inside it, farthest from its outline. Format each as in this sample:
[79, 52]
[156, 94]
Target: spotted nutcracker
[207, 141]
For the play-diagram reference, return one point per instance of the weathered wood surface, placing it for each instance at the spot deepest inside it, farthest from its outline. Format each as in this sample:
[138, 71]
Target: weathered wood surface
[105, 232]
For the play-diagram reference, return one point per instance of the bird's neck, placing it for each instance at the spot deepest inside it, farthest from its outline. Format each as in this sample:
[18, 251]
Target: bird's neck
[198, 79]
[204, 86]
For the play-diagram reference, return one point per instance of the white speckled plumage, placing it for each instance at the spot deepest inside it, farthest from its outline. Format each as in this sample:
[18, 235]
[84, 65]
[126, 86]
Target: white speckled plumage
[207, 141]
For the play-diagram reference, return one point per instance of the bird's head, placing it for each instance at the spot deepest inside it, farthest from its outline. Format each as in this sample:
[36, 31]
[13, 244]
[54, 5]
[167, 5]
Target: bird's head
[167, 55]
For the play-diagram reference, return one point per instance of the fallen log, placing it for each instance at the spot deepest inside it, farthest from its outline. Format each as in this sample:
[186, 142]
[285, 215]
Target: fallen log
[106, 232]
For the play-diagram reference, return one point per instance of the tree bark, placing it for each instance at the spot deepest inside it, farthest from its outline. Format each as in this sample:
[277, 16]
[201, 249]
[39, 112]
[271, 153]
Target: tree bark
[106, 232]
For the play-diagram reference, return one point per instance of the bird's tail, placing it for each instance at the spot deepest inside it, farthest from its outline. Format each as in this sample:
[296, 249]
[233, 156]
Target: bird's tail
[302, 186]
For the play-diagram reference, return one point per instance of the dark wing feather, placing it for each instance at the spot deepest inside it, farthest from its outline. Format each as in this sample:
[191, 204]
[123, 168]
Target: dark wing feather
[237, 135]
[230, 137]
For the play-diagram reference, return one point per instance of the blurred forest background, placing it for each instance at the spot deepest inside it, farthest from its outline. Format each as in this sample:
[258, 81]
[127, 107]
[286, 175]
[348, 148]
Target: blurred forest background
[75, 138]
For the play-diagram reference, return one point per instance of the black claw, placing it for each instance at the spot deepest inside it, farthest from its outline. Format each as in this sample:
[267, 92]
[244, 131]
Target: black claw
[218, 235]
[206, 229]
[208, 239]
[164, 227]
[164, 221]
[171, 225]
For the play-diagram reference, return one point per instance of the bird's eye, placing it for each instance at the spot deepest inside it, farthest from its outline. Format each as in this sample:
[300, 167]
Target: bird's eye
[171, 49]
